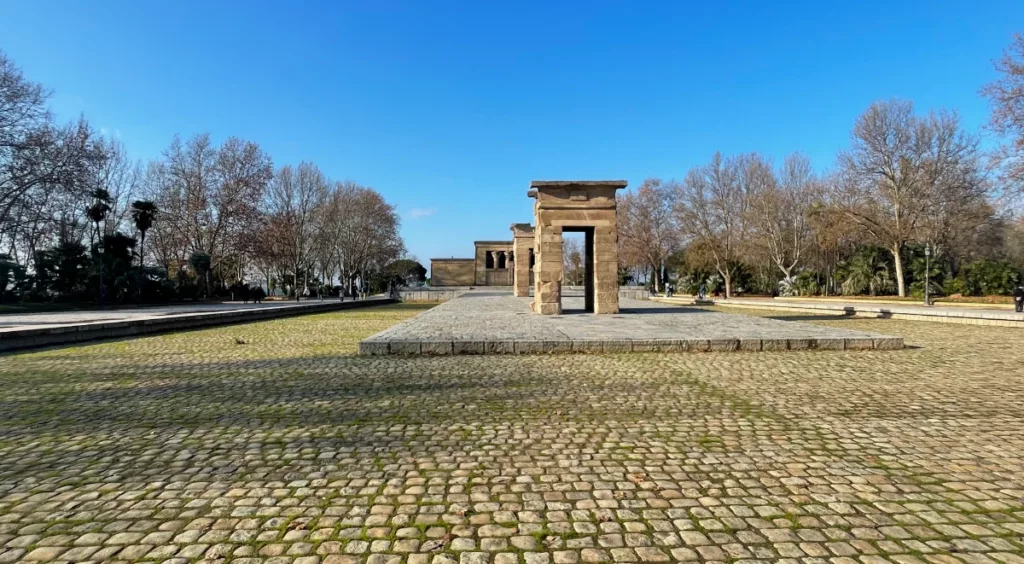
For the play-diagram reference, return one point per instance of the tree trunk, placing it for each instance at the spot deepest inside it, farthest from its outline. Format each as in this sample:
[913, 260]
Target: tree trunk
[900, 288]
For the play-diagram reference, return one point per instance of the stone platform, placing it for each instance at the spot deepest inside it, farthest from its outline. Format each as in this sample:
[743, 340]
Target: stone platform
[484, 322]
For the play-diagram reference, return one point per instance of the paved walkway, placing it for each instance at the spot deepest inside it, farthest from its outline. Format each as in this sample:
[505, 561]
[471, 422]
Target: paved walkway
[498, 323]
[1005, 317]
[16, 321]
[187, 447]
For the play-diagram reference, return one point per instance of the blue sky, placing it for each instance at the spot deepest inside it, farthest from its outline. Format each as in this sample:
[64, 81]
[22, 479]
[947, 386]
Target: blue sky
[450, 109]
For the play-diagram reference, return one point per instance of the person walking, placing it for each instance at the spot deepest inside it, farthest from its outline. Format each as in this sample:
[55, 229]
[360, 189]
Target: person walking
[1018, 298]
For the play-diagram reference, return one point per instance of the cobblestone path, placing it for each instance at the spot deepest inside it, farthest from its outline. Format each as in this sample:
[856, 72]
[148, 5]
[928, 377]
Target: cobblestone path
[288, 448]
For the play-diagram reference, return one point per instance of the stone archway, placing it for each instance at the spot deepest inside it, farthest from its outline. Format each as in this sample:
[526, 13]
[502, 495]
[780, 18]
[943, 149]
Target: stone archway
[576, 205]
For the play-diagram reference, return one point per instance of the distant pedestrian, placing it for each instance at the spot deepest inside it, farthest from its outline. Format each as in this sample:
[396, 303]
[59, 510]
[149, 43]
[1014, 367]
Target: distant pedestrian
[702, 292]
[1018, 298]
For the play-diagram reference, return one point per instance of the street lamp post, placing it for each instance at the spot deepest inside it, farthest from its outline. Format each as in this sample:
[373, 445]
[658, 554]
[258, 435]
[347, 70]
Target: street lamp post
[927, 269]
[99, 249]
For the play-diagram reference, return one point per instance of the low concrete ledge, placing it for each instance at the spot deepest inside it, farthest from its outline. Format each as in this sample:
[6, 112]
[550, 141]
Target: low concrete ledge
[382, 346]
[20, 339]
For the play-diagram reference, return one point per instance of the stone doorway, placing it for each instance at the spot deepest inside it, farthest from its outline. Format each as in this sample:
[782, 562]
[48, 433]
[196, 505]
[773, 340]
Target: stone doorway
[584, 278]
[576, 205]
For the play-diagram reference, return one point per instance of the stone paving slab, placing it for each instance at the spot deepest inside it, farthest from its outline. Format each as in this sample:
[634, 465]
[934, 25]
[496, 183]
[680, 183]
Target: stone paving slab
[499, 323]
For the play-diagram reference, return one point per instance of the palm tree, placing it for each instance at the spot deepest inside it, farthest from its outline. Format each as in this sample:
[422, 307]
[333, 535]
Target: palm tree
[868, 270]
[97, 213]
[144, 213]
[99, 209]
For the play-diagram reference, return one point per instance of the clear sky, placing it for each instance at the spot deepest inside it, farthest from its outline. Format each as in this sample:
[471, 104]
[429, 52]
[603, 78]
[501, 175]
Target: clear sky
[451, 108]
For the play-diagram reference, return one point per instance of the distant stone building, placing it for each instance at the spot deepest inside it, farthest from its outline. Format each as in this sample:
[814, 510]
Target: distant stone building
[491, 265]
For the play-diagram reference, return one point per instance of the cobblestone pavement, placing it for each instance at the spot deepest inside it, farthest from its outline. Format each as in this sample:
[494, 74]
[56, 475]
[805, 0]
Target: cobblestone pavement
[497, 322]
[290, 449]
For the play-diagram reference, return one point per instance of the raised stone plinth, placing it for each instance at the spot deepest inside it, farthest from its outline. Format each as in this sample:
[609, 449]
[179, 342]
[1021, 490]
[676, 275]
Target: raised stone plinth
[499, 323]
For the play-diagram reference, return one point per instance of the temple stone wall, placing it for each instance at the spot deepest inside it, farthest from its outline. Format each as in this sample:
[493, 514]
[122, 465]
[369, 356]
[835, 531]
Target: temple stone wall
[452, 272]
[522, 248]
[495, 269]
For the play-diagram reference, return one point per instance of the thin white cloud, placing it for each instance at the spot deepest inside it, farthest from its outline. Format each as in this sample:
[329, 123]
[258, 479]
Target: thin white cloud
[420, 212]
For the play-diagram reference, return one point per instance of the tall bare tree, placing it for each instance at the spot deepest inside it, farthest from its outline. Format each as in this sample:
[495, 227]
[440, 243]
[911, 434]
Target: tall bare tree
[780, 212]
[296, 203]
[365, 231]
[902, 170]
[1006, 94]
[713, 209]
[44, 168]
[648, 233]
[211, 195]
[121, 177]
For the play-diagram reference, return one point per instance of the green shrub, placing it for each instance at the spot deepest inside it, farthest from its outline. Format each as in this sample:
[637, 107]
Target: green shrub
[984, 278]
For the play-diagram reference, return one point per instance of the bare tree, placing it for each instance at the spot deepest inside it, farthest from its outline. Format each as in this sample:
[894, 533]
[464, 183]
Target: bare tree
[365, 231]
[713, 209]
[40, 163]
[44, 169]
[572, 261]
[902, 170]
[121, 178]
[780, 212]
[296, 201]
[648, 233]
[211, 195]
[1006, 95]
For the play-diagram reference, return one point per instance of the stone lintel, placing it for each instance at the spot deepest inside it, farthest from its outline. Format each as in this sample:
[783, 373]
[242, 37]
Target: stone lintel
[580, 183]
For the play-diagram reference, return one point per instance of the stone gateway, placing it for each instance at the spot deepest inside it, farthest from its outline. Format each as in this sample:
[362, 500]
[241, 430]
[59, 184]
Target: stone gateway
[586, 206]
